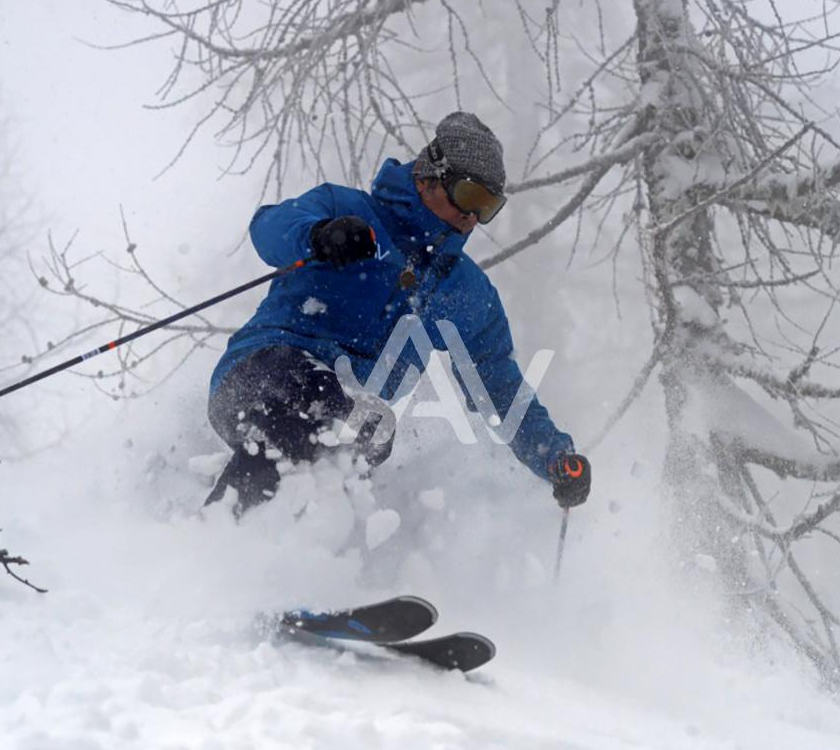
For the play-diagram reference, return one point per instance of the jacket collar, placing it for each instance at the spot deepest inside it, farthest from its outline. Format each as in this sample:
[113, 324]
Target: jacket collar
[411, 225]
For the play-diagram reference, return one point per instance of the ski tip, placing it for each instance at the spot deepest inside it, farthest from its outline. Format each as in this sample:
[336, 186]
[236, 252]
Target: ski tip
[433, 613]
[491, 647]
[462, 651]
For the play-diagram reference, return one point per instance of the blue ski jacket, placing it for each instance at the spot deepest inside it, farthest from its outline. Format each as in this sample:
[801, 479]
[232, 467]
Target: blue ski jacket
[330, 312]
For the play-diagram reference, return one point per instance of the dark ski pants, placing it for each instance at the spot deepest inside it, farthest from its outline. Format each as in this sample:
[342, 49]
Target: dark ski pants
[279, 398]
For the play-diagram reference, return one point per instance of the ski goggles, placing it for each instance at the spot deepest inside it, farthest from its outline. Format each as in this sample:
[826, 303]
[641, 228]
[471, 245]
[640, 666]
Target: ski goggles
[465, 193]
[472, 197]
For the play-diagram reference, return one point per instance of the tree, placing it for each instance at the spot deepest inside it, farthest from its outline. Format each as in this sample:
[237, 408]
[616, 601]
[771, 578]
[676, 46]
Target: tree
[699, 134]
[19, 302]
[62, 275]
[16, 308]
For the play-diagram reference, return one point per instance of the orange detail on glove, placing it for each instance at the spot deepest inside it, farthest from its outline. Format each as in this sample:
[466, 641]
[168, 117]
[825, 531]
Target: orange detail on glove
[577, 471]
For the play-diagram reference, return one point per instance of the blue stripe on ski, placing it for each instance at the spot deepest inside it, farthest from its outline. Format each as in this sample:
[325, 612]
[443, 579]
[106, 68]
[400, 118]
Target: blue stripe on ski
[354, 625]
[314, 616]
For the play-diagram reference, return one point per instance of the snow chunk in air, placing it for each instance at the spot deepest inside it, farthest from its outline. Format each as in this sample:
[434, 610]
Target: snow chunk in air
[313, 306]
[209, 465]
[381, 526]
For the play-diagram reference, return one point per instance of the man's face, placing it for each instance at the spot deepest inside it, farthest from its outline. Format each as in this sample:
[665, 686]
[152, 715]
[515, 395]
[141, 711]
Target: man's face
[437, 201]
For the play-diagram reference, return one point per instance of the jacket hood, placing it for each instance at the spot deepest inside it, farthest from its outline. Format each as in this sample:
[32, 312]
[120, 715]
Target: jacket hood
[400, 208]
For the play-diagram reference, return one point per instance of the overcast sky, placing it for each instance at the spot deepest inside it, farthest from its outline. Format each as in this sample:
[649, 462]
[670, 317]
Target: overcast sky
[85, 144]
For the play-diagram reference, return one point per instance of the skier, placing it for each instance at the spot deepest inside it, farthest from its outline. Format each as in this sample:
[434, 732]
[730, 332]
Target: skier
[371, 259]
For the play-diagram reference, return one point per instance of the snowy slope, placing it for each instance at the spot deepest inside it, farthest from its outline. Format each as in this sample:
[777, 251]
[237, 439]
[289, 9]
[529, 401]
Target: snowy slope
[145, 639]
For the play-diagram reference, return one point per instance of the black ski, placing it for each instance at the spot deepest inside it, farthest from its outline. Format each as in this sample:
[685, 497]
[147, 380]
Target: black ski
[463, 651]
[388, 625]
[385, 622]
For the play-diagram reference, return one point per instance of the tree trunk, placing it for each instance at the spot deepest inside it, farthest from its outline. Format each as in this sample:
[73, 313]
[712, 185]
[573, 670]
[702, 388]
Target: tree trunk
[688, 315]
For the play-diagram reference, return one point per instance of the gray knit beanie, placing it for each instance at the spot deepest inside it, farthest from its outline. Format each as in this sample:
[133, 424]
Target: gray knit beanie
[469, 147]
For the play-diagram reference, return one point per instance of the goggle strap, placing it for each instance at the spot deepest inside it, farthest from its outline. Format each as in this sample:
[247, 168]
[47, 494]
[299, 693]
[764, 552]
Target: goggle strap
[438, 159]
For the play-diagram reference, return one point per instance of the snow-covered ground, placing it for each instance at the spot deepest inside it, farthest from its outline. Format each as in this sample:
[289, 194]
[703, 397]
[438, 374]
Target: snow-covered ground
[146, 638]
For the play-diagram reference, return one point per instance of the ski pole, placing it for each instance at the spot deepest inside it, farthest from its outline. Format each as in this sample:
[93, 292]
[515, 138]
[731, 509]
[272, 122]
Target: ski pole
[561, 543]
[571, 487]
[153, 327]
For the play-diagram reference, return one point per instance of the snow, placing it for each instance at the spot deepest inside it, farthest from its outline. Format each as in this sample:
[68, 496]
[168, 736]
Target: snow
[434, 499]
[210, 465]
[328, 438]
[381, 526]
[146, 638]
[313, 306]
[706, 562]
[694, 308]
[733, 414]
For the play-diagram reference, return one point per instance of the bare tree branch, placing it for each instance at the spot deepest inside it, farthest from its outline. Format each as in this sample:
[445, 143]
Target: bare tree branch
[6, 560]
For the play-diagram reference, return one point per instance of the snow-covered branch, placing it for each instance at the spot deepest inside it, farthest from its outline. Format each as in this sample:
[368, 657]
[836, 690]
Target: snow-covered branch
[728, 190]
[800, 199]
[794, 189]
[805, 524]
[627, 135]
[329, 27]
[774, 385]
[620, 155]
[566, 210]
[822, 214]
[784, 466]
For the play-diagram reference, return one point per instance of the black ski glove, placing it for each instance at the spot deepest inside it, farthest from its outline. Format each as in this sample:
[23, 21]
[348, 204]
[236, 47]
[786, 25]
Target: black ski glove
[343, 240]
[571, 476]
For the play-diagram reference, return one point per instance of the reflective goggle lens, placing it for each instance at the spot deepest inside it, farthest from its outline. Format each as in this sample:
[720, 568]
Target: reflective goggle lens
[473, 198]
